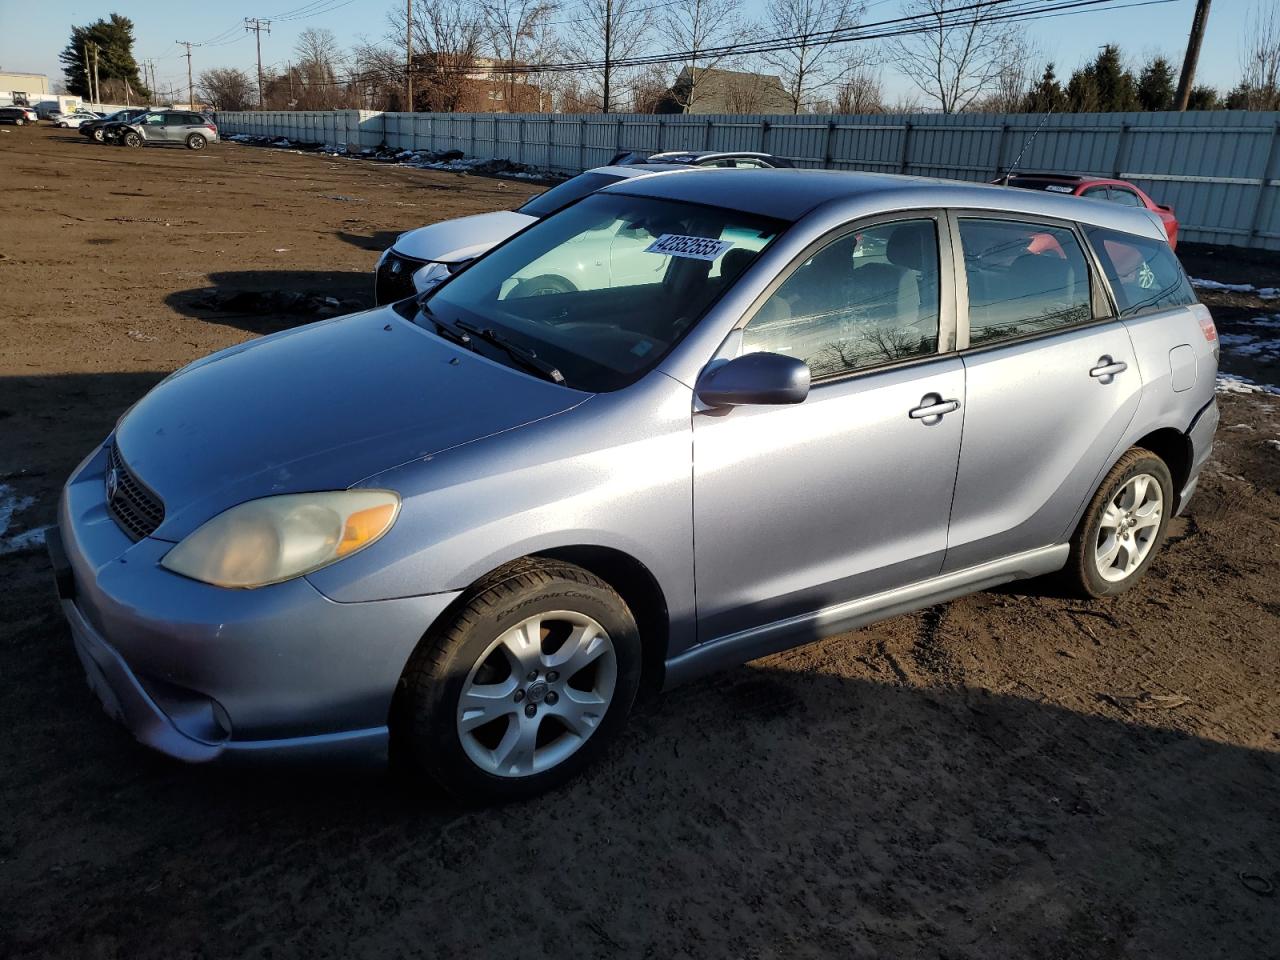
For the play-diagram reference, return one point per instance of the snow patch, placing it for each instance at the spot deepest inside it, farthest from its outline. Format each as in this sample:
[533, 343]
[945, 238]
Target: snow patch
[11, 504]
[1233, 383]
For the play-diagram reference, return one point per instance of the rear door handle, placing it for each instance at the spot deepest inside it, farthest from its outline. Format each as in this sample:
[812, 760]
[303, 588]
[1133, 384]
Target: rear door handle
[1108, 368]
[932, 405]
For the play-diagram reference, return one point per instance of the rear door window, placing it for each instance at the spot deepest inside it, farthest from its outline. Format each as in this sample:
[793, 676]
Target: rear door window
[1126, 197]
[1024, 278]
[1144, 273]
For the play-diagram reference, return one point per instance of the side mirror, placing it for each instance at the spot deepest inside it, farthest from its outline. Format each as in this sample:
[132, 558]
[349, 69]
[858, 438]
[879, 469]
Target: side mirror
[757, 378]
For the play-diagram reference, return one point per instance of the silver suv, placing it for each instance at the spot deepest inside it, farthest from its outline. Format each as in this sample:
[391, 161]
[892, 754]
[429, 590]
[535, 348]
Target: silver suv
[472, 526]
[192, 130]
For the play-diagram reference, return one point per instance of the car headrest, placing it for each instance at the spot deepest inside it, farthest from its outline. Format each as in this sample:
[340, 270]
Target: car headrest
[734, 262]
[911, 245]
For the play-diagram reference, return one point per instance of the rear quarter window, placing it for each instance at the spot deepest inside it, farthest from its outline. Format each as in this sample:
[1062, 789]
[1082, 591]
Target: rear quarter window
[1145, 275]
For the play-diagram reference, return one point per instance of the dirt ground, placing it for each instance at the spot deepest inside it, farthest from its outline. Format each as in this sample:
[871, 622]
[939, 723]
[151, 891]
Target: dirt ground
[984, 779]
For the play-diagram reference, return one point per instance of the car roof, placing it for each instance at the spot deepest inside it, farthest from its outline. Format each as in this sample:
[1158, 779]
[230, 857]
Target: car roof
[791, 194]
[637, 169]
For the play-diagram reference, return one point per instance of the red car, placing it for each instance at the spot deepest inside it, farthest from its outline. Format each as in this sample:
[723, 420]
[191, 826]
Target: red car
[1097, 188]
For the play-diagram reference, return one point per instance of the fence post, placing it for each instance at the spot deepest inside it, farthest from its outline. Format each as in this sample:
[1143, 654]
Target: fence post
[826, 147]
[706, 135]
[1004, 136]
[1273, 151]
[904, 158]
[661, 126]
[764, 136]
[1120, 144]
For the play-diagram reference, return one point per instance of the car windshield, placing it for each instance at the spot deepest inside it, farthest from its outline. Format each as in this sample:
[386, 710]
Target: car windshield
[603, 290]
[561, 195]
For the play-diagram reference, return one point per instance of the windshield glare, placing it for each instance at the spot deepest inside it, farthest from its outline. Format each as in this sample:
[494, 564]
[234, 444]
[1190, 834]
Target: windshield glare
[604, 289]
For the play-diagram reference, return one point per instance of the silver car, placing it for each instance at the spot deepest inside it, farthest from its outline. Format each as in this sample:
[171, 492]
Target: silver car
[421, 258]
[470, 529]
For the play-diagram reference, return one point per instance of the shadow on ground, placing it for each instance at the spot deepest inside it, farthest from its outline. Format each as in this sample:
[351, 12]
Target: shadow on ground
[377, 241]
[267, 301]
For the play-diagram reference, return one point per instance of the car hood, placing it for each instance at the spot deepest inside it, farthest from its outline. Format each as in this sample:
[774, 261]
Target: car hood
[455, 240]
[320, 407]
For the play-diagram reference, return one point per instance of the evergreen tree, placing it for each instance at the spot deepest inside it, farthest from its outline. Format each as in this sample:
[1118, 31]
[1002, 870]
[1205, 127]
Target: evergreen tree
[117, 68]
[1047, 96]
[1156, 84]
[1204, 98]
[1103, 86]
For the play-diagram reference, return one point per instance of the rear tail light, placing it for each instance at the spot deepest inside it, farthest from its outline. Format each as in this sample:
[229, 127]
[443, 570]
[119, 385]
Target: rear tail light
[1207, 328]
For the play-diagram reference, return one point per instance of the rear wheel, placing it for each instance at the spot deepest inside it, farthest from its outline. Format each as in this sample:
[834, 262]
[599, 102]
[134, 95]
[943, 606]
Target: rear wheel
[132, 139]
[19, 122]
[195, 142]
[99, 135]
[531, 680]
[1123, 526]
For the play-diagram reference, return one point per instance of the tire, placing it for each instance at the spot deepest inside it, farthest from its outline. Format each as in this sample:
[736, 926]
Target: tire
[19, 122]
[99, 136]
[132, 140]
[481, 760]
[1138, 492]
[195, 142]
[545, 284]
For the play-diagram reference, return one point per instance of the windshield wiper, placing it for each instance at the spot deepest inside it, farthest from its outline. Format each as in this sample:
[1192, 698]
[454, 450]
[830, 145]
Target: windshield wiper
[526, 358]
[452, 334]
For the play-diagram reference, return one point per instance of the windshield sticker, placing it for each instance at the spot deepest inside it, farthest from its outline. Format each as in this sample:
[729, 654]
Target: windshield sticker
[694, 248]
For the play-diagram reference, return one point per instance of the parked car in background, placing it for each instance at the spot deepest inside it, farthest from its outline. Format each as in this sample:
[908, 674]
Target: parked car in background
[75, 119]
[15, 115]
[739, 159]
[421, 258]
[1097, 188]
[97, 129]
[178, 127]
[467, 529]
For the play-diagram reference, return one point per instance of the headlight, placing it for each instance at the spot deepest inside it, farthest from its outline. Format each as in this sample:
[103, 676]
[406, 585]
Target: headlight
[279, 538]
[429, 277]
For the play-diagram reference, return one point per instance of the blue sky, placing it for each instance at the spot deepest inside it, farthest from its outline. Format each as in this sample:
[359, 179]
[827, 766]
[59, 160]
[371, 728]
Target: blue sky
[33, 33]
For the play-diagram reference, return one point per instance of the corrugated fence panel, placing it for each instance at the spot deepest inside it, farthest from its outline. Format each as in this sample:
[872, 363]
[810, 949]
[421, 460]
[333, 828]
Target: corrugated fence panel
[1219, 170]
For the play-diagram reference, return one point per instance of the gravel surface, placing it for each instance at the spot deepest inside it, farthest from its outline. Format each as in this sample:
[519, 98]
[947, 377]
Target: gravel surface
[1014, 774]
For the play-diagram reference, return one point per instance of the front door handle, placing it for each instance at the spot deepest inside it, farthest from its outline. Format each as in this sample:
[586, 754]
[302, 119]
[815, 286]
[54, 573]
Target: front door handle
[1108, 368]
[933, 407]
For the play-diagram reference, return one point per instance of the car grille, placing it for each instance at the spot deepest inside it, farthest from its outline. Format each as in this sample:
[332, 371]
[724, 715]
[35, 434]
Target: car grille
[135, 508]
[394, 279]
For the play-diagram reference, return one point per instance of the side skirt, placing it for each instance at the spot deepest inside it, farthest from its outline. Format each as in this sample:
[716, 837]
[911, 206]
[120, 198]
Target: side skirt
[736, 648]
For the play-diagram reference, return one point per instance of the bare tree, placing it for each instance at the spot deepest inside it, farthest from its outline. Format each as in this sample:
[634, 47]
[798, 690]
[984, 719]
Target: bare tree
[1260, 60]
[959, 57]
[449, 40]
[377, 82]
[519, 33]
[861, 92]
[228, 89]
[812, 61]
[603, 32]
[1011, 86]
[698, 26]
[314, 76]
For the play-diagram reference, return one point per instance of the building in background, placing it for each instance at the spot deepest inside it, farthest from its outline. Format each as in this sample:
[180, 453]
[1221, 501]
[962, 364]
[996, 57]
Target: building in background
[23, 89]
[724, 91]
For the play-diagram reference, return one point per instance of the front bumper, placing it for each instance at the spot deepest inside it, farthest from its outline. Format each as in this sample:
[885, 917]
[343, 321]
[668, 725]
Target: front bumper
[199, 672]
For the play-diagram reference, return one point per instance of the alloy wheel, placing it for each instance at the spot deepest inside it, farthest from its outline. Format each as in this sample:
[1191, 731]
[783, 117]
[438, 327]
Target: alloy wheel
[1129, 527]
[536, 694]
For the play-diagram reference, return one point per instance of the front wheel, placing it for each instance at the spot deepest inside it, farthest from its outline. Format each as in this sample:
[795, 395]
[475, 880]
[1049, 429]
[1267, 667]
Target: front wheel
[132, 139]
[1123, 526]
[530, 681]
[19, 122]
[195, 142]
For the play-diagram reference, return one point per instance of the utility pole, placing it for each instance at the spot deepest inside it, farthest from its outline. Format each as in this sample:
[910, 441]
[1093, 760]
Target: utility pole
[190, 86]
[97, 87]
[88, 77]
[1187, 78]
[608, 51]
[408, 56]
[256, 26]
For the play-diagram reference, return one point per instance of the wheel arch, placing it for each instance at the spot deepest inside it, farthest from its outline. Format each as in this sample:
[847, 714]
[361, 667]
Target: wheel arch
[641, 592]
[1174, 448]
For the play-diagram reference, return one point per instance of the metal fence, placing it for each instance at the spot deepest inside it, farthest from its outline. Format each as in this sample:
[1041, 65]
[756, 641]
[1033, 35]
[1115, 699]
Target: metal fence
[1219, 170]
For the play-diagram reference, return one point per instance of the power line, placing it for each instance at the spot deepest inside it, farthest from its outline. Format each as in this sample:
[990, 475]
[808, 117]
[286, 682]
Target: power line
[191, 97]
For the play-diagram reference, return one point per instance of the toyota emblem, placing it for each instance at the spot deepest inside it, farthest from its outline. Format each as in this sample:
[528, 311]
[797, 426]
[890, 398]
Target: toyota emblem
[113, 483]
[396, 266]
